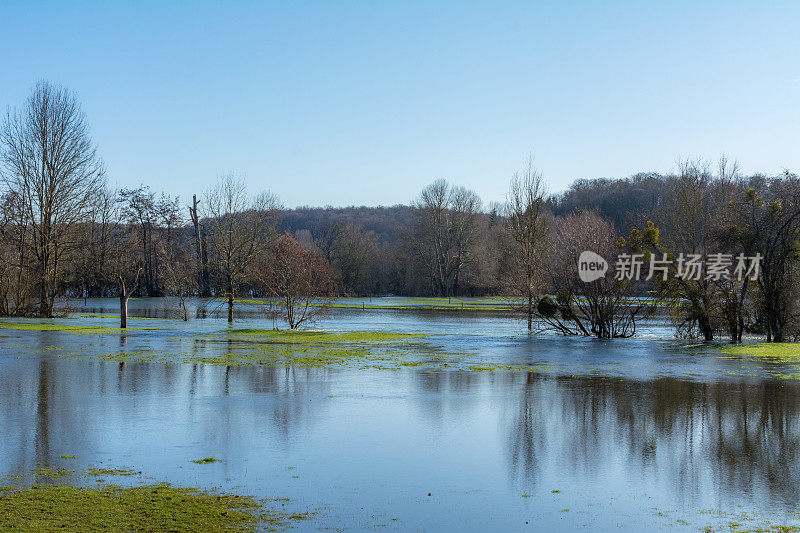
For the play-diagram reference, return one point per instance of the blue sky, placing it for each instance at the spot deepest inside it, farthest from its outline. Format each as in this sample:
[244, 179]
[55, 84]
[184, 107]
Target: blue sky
[341, 103]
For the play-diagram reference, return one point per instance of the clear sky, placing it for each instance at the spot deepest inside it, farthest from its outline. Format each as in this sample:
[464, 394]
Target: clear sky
[341, 103]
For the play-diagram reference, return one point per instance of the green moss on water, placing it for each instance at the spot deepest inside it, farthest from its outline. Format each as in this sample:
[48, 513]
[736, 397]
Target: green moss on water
[490, 367]
[115, 317]
[63, 328]
[322, 349]
[104, 472]
[205, 460]
[156, 507]
[361, 350]
[46, 500]
[313, 337]
[46, 474]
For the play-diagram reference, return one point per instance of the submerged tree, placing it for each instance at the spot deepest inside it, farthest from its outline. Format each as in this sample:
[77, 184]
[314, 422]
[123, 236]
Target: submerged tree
[240, 230]
[607, 307]
[528, 224]
[690, 237]
[52, 173]
[125, 267]
[201, 250]
[156, 217]
[776, 230]
[300, 280]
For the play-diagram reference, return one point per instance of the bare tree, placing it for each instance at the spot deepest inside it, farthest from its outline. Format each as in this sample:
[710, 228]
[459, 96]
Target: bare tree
[690, 229]
[125, 266]
[52, 171]
[240, 230]
[446, 232]
[299, 279]
[201, 249]
[103, 222]
[17, 282]
[156, 218]
[604, 308]
[125, 292]
[776, 229]
[528, 224]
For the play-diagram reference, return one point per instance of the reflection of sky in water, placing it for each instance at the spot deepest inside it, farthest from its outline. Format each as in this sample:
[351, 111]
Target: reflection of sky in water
[620, 448]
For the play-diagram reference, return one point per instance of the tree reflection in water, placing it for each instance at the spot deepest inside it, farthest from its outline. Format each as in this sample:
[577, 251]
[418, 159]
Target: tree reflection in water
[730, 441]
[739, 440]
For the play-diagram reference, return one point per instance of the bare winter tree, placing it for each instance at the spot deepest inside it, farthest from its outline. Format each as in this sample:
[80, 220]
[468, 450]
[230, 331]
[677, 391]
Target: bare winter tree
[240, 230]
[529, 226]
[300, 280]
[201, 249]
[446, 232]
[51, 170]
[689, 223]
[124, 266]
[102, 223]
[604, 308]
[776, 230]
[17, 282]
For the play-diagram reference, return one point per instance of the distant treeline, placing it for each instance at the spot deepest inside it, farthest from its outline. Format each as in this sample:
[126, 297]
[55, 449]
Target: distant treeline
[64, 232]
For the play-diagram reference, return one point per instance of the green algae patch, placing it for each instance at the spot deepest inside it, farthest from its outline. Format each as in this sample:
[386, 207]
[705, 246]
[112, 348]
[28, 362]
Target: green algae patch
[239, 347]
[115, 317]
[513, 368]
[88, 330]
[311, 337]
[157, 507]
[206, 460]
[778, 352]
[101, 472]
[322, 349]
[45, 499]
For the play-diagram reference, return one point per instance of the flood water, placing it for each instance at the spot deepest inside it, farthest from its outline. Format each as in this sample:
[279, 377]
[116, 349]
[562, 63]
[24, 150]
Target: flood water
[635, 434]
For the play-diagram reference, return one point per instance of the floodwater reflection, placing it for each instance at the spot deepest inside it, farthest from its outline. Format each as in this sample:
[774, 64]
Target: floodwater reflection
[685, 444]
[609, 435]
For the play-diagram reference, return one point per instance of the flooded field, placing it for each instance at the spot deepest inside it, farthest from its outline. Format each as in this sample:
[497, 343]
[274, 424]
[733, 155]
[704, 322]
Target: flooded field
[406, 417]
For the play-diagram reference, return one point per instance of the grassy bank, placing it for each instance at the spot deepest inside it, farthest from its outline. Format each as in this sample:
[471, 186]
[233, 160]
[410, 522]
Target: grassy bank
[60, 506]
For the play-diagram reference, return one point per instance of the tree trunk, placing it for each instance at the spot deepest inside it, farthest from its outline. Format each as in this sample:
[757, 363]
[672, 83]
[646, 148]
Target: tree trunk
[200, 250]
[123, 311]
[230, 307]
[706, 329]
[530, 313]
[43, 311]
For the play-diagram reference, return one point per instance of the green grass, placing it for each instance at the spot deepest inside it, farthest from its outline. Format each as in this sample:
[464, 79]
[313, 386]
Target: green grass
[97, 315]
[362, 350]
[153, 507]
[774, 351]
[101, 472]
[307, 337]
[47, 499]
[89, 330]
[321, 349]
[205, 460]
